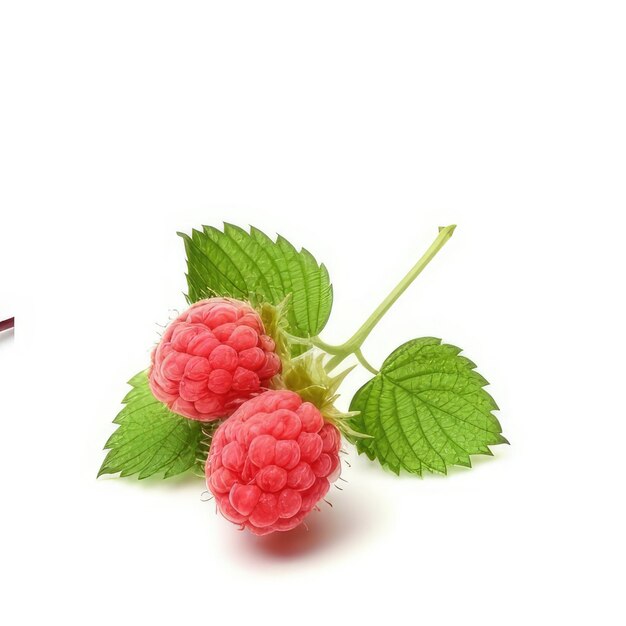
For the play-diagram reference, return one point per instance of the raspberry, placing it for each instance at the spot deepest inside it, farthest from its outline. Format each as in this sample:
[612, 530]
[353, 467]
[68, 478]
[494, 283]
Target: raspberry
[272, 461]
[212, 358]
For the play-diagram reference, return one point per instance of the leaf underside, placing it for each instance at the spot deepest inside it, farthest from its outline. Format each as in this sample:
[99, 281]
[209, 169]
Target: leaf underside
[150, 439]
[242, 264]
[425, 410]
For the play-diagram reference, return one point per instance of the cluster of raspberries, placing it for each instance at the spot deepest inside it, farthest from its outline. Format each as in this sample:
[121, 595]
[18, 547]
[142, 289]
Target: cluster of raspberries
[274, 458]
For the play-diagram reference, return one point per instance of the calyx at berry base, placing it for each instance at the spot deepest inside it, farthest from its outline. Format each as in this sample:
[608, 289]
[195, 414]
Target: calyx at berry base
[243, 391]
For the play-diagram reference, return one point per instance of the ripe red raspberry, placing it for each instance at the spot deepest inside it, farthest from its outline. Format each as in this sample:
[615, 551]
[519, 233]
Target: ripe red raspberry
[212, 358]
[272, 461]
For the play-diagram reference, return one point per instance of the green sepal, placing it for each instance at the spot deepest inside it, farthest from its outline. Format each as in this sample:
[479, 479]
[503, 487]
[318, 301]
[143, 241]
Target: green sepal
[306, 375]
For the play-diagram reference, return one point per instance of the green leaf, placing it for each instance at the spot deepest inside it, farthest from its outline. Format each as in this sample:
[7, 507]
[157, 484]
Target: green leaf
[150, 438]
[425, 410]
[243, 264]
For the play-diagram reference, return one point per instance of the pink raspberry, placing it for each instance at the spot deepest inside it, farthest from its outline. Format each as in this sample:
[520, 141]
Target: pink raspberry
[212, 358]
[272, 461]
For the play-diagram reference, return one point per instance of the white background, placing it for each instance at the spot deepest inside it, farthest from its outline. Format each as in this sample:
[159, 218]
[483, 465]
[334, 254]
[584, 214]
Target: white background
[354, 129]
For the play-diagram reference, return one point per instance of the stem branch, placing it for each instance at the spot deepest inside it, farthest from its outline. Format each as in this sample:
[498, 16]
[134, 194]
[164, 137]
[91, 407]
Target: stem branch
[353, 345]
[364, 362]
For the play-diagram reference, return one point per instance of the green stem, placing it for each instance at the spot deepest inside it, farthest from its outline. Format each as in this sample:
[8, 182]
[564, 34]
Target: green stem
[322, 345]
[364, 362]
[353, 345]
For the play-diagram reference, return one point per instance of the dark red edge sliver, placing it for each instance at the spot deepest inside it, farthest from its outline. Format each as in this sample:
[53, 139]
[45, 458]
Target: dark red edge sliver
[7, 324]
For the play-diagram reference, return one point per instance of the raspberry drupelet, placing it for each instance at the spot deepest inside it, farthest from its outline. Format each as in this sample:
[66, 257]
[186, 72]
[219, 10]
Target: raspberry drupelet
[272, 461]
[211, 358]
